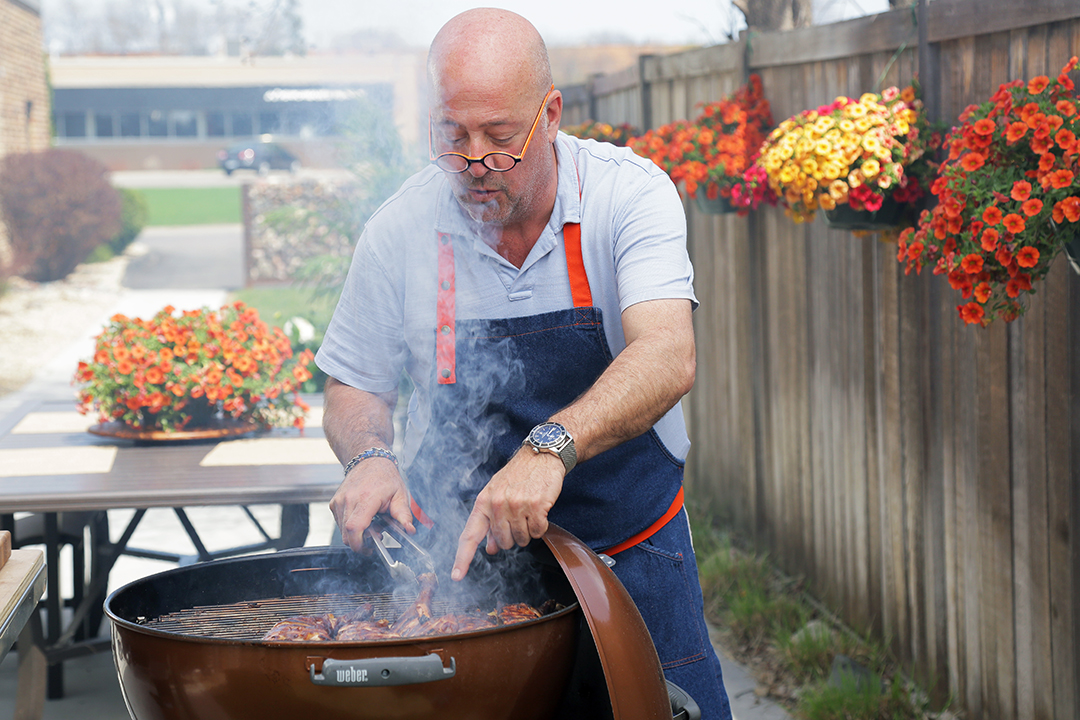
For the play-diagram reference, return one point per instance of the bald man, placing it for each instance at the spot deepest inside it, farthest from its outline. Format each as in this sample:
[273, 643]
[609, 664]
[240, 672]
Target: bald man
[537, 291]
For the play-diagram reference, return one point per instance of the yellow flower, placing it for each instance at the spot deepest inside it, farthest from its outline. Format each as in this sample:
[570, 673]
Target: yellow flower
[870, 168]
[809, 166]
[788, 174]
[869, 99]
[846, 126]
[822, 125]
[811, 183]
[902, 128]
[838, 189]
[855, 111]
[823, 147]
[831, 170]
[805, 146]
[870, 143]
[825, 201]
[863, 124]
[855, 179]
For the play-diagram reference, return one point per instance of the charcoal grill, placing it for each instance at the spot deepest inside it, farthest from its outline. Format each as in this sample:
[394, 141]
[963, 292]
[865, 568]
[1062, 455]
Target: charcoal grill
[186, 643]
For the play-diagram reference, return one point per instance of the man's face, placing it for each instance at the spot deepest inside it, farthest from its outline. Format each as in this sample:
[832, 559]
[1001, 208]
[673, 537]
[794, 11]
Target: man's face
[477, 123]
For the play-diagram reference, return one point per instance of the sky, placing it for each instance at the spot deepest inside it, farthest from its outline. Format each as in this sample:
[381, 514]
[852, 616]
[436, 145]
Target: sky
[560, 22]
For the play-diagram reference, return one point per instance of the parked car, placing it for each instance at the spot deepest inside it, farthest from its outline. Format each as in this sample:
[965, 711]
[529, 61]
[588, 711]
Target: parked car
[259, 156]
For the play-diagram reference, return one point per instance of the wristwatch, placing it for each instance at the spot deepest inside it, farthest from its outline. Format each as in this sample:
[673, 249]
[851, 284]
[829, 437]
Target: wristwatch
[552, 437]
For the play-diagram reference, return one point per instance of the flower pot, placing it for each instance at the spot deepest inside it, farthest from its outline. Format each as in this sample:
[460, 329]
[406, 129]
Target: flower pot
[844, 217]
[719, 206]
[1072, 251]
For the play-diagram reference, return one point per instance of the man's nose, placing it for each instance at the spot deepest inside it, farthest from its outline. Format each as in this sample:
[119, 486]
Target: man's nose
[477, 169]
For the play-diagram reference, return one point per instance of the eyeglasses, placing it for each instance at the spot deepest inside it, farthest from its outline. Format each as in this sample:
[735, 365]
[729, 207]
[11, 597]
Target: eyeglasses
[453, 162]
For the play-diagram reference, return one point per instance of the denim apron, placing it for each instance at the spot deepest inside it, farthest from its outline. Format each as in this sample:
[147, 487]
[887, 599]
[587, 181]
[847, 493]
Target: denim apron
[496, 379]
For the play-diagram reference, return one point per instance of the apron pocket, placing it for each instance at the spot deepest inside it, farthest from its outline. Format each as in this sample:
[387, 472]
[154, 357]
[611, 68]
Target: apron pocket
[668, 599]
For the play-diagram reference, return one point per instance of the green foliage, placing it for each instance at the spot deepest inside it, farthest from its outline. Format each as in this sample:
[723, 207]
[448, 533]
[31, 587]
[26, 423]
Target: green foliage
[134, 214]
[192, 206]
[101, 253]
[848, 698]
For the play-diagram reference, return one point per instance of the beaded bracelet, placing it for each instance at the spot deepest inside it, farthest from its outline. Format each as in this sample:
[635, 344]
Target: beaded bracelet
[369, 453]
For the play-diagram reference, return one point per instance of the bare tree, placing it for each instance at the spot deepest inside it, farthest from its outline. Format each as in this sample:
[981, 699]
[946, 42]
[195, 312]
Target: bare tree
[776, 14]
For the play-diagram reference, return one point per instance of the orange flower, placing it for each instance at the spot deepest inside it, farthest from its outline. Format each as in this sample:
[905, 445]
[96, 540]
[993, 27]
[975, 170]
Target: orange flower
[1061, 178]
[992, 215]
[1014, 223]
[983, 292]
[1032, 207]
[154, 376]
[124, 367]
[1038, 84]
[1027, 257]
[985, 127]
[989, 240]
[972, 161]
[1016, 131]
[972, 264]
[1070, 206]
[1066, 108]
[972, 313]
[1021, 190]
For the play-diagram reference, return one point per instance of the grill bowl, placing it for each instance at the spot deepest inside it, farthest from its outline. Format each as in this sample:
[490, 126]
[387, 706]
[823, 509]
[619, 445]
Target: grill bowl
[201, 673]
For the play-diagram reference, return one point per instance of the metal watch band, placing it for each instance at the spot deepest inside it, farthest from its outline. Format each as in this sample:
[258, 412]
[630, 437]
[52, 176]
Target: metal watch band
[370, 453]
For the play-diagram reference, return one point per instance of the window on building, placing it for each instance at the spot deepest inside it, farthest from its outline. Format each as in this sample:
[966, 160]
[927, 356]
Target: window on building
[242, 125]
[215, 124]
[269, 122]
[130, 125]
[74, 125]
[184, 124]
[157, 125]
[103, 126]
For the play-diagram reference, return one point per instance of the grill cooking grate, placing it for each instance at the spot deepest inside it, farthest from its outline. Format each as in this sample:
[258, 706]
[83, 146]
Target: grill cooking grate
[251, 619]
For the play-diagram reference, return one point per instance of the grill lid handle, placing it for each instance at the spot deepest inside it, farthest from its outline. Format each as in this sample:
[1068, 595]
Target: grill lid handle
[382, 672]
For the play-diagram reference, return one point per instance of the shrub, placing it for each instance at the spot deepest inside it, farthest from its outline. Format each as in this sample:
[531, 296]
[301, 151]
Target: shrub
[134, 213]
[58, 206]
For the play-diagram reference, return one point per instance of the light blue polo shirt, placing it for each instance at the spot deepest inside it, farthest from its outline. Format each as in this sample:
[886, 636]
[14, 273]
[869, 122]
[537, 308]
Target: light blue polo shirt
[633, 239]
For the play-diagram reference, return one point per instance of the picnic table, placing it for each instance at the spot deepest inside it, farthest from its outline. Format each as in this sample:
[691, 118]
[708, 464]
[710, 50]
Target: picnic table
[50, 464]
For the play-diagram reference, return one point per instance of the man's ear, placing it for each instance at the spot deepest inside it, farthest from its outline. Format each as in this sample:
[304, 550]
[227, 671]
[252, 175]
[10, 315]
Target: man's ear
[554, 115]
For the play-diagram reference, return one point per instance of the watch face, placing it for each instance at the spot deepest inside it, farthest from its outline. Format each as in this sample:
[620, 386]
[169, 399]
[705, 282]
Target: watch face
[546, 435]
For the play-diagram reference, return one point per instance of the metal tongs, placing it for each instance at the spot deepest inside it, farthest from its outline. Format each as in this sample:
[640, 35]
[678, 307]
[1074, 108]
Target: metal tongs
[388, 534]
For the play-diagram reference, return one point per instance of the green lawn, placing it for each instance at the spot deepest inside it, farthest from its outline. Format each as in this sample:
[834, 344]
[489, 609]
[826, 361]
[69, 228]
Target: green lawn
[276, 305]
[192, 206]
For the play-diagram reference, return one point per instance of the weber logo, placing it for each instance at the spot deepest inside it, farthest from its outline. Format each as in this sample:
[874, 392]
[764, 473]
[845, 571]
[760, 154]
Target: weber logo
[352, 676]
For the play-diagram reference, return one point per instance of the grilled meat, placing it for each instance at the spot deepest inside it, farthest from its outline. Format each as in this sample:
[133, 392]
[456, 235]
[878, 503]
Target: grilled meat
[517, 612]
[420, 611]
[305, 628]
[417, 621]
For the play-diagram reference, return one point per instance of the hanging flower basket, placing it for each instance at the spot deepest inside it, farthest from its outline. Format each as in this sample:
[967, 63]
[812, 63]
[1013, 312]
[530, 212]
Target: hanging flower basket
[855, 153]
[719, 206]
[887, 217]
[202, 374]
[1008, 198]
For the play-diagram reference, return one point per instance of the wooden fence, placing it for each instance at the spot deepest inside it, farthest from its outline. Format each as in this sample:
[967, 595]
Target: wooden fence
[922, 474]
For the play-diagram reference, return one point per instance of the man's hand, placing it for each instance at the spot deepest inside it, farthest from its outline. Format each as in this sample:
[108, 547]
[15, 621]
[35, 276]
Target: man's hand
[513, 508]
[354, 421]
[373, 486]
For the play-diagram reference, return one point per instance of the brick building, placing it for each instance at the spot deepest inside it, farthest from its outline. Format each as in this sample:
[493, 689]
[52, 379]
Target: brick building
[24, 92]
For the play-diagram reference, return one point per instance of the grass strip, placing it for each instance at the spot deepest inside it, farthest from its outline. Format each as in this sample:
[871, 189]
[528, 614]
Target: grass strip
[192, 206]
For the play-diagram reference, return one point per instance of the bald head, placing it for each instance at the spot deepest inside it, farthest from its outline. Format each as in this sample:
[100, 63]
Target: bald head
[491, 48]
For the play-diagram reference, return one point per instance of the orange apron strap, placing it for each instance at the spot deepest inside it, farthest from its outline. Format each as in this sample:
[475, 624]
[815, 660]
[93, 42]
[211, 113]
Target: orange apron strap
[419, 513]
[445, 339]
[575, 266]
[648, 532]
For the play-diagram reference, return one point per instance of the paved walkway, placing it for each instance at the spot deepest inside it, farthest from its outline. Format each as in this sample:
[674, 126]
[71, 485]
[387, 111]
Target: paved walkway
[91, 688]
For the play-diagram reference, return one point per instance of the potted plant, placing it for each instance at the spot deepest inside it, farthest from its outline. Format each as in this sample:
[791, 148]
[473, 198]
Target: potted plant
[604, 132]
[222, 371]
[861, 161]
[709, 156]
[1008, 197]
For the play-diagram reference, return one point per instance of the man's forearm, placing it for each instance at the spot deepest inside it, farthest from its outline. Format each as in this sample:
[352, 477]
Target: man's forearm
[644, 381]
[354, 420]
